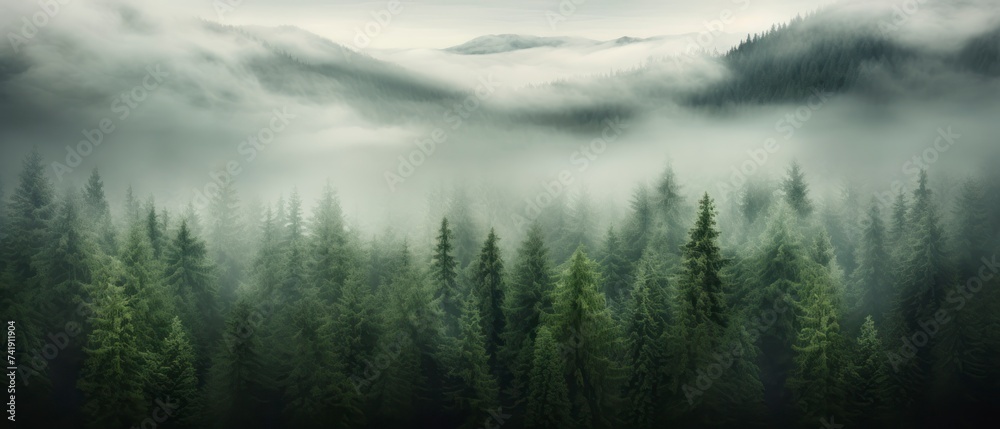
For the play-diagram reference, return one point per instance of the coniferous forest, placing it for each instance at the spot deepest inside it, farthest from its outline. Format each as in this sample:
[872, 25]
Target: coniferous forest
[776, 311]
[455, 214]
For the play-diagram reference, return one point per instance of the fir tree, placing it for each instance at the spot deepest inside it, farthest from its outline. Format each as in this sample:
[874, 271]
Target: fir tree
[646, 335]
[583, 324]
[489, 293]
[191, 281]
[869, 384]
[238, 381]
[114, 372]
[528, 298]
[474, 392]
[175, 378]
[548, 405]
[97, 209]
[797, 191]
[445, 277]
[615, 268]
[330, 256]
[873, 278]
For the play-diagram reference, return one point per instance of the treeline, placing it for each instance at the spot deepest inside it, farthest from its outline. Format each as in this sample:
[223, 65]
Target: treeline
[833, 51]
[777, 311]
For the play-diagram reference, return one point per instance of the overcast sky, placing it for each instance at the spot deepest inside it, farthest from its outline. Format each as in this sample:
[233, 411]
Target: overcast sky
[442, 23]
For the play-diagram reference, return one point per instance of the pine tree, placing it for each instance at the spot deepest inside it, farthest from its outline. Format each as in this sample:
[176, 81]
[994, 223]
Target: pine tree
[869, 384]
[873, 278]
[189, 276]
[474, 392]
[464, 229]
[797, 191]
[646, 389]
[443, 272]
[330, 256]
[317, 391]
[175, 378]
[65, 263]
[528, 298]
[702, 315]
[972, 230]
[548, 405]
[755, 200]
[357, 324]
[114, 372]
[489, 293]
[143, 281]
[639, 226]
[98, 210]
[817, 380]
[615, 268]
[154, 231]
[921, 291]
[581, 225]
[238, 382]
[132, 209]
[669, 206]
[293, 271]
[582, 322]
[225, 241]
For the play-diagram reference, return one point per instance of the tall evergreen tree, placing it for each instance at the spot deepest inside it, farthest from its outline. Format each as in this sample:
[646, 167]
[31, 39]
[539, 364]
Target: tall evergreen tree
[639, 226]
[873, 278]
[797, 191]
[615, 268]
[443, 271]
[114, 373]
[176, 381]
[238, 382]
[330, 255]
[225, 241]
[143, 281]
[190, 280]
[646, 389]
[548, 405]
[474, 391]
[868, 387]
[528, 298]
[818, 378]
[489, 293]
[98, 210]
[583, 324]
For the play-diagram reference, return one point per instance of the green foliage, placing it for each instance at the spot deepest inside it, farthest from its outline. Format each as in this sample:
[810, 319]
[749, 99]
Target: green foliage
[548, 405]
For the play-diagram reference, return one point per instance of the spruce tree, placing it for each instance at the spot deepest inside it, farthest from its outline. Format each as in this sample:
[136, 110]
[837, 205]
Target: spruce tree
[873, 278]
[489, 292]
[238, 383]
[474, 391]
[817, 381]
[330, 256]
[646, 388]
[443, 271]
[797, 191]
[190, 279]
[615, 268]
[528, 298]
[639, 225]
[175, 379]
[548, 405]
[225, 241]
[583, 324]
[868, 387]
[317, 391]
[143, 280]
[65, 263]
[98, 210]
[293, 270]
[114, 373]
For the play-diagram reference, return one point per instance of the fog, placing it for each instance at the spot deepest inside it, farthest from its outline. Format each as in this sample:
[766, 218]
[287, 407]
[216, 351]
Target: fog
[612, 115]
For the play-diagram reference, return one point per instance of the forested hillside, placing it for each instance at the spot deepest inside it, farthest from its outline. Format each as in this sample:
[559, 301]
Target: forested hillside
[784, 308]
